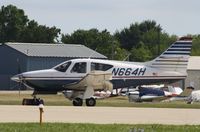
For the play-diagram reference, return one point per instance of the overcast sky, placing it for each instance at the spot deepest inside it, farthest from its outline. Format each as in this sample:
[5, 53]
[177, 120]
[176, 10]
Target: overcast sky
[178, 17]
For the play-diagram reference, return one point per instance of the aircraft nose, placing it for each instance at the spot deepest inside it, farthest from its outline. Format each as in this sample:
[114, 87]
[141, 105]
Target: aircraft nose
[17, 78]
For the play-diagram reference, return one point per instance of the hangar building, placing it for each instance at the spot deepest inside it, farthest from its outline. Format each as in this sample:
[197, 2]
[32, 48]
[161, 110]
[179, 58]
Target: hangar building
[193, 71]
[20, 57]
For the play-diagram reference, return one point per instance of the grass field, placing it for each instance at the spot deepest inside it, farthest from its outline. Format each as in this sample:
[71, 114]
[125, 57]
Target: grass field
[69, 127]
[60, 100]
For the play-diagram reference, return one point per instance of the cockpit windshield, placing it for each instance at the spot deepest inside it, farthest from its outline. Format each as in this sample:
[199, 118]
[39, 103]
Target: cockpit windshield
[63, 67]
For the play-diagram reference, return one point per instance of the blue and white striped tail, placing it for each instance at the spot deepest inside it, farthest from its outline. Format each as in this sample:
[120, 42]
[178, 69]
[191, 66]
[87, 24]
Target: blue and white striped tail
[176, 57]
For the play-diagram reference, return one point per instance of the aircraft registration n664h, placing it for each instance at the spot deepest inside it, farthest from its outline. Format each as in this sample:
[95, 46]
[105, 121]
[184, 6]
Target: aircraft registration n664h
[84, 76]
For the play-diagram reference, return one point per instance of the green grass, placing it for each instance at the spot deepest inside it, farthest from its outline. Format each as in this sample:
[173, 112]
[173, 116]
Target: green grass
[60, 100]
[75, 127]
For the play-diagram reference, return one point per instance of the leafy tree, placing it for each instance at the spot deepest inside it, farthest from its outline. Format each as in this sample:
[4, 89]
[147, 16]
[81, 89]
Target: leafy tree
[16, 27]
[196, 45]
[102, 42]
[146, 37]
[148, 25]
[120, 54]
[91, 38]
[141, 53]
[38, 33]
[12, 22]
[129, 37]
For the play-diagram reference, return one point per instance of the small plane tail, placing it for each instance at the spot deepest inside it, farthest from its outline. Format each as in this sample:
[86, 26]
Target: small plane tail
[187, 92]
[176, 57]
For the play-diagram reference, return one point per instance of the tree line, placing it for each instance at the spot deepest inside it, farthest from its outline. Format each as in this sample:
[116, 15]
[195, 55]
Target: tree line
[138, 42]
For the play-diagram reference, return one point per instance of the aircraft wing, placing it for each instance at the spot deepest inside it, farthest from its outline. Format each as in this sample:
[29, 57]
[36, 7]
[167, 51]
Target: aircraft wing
[153, 98]
[95, 80]
[160, 98]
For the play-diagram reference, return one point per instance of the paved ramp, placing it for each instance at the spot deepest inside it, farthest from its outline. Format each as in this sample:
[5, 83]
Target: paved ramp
[100, 115]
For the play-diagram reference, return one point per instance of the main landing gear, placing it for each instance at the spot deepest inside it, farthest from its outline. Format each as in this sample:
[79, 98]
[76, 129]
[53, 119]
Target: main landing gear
[79, 102]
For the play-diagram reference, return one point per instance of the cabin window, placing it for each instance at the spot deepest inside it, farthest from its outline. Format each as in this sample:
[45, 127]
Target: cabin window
[79, 67]
[63, 67]
[100, 66]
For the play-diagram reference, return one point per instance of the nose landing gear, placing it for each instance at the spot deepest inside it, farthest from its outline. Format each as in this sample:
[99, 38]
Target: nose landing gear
[34, 101]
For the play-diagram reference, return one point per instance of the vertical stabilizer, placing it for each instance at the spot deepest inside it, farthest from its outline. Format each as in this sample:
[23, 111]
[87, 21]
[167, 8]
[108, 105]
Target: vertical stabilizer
[176, 57]
[187, 92]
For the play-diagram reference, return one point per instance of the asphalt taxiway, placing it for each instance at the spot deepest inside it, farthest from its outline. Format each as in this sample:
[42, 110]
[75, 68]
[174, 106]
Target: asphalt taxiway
[100, 115]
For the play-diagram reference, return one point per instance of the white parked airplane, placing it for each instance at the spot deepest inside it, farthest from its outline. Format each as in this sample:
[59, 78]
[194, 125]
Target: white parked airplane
[79, 75]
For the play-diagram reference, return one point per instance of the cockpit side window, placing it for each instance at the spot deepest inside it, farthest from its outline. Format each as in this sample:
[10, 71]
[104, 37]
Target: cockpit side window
[100, 66]
[79, 67]
[63, 67]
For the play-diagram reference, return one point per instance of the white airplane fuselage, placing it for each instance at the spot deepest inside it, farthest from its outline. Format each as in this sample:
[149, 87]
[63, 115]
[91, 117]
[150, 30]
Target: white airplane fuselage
[124, 74]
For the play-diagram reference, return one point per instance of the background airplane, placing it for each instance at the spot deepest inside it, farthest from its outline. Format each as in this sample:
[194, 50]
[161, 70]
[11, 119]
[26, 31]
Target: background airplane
[146, 94]
[77, 74]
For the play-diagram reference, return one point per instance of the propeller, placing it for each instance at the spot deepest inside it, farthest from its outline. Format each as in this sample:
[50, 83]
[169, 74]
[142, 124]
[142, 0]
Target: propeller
[20, 84]
[20, 76]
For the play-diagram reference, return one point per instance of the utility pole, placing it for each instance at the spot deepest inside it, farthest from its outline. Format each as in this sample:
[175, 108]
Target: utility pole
[158, 40]
[113, 52]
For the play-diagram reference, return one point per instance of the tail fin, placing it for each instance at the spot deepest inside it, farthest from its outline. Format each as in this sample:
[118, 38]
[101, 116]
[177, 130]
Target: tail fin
[187, 92]
[175, 58]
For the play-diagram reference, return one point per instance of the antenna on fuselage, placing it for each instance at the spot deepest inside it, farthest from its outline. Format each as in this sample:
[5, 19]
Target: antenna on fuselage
[127, 57]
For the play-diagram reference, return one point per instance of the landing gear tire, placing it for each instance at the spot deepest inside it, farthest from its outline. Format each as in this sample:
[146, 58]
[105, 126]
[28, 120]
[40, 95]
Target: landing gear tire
[77, 102]
[90, 102]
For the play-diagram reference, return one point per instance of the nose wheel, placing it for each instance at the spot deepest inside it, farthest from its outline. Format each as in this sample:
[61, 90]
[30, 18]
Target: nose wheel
[34, 101]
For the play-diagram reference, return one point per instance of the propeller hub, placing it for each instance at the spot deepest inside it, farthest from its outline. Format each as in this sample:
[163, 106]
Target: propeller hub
[17, 78]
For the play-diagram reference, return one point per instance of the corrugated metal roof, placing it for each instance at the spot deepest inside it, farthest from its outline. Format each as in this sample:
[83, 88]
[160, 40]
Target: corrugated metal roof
[194, 63]
[55, 50]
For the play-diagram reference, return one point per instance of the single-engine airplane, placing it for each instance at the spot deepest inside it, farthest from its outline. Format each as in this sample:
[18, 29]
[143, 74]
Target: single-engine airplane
[81, 75]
